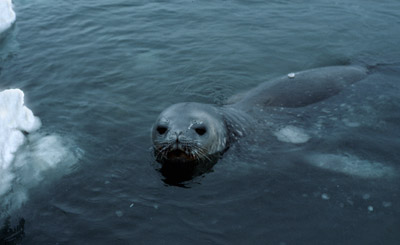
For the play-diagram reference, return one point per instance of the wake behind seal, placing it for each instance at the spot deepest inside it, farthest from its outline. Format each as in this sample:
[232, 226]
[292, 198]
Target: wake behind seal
[189, 138]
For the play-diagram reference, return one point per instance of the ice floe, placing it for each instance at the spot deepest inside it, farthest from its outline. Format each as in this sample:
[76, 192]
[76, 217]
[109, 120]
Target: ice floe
[7, 15]
[25, 153]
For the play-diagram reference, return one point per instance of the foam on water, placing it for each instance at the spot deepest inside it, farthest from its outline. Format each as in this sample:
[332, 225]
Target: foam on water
[351, 165]
[7, 15]
[292, 134]
[25, 154]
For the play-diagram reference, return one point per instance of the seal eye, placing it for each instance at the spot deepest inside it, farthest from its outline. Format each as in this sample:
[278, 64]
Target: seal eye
[161, 129]
[201, 130]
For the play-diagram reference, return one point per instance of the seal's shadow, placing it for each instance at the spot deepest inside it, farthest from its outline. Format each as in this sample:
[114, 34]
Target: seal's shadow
[179, 173]
[12, 235]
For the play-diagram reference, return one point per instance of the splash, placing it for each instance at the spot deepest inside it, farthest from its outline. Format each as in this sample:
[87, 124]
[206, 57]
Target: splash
[7, 15]
[25, 154]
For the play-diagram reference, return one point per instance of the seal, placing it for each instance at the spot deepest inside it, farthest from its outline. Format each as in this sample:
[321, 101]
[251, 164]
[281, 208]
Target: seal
[188, 138]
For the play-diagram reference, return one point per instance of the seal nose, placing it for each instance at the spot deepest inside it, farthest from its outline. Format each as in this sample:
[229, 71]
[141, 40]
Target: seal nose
[177, 144]
[177, 134]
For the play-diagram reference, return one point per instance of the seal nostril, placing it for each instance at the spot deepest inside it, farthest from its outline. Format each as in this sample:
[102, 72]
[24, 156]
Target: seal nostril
[201, 130]
[161, 129]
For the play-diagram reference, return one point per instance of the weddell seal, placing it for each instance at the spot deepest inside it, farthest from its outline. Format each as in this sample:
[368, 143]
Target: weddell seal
[188, 138]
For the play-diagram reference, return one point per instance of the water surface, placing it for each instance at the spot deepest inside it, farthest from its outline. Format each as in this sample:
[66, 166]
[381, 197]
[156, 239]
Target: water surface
[98, 73]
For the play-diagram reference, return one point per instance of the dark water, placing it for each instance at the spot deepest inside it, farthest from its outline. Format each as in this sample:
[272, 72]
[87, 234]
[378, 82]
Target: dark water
[99, 72]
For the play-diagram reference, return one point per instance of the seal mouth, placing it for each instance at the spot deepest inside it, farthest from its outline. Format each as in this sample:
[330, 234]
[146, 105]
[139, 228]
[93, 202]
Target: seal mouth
[180, 165]
[179, 155]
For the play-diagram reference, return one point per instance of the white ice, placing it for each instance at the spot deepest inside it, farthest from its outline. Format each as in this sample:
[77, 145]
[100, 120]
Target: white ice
[7, 15]
[25, 154]
[14, 119]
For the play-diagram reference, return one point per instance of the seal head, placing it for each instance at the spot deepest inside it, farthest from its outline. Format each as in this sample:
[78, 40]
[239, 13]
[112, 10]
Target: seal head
[188, 134]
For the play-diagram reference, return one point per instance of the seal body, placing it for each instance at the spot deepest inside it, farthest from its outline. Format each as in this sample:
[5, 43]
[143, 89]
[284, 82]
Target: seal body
[302, 88]
[188, 135]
